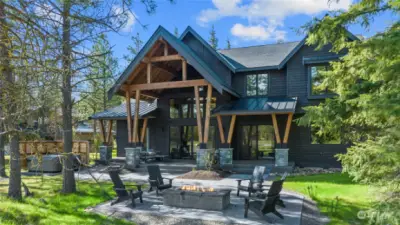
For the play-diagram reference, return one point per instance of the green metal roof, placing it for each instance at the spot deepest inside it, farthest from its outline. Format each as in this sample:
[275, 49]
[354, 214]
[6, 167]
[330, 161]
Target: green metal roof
[119, 112]
[258, 105]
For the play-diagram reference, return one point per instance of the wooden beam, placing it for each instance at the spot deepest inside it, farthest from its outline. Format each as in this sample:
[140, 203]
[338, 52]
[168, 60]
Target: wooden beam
[148, 73]
[231, 128]
[144, 127]
[168, 85]
[208, 109]
[163, 58]
[128, 114]
[287, 130]
[136, 118]
[102, 130]
[109, 132]
[198, 113]
[276, 129]
[184, 70]
[221, 129]
[165, 49]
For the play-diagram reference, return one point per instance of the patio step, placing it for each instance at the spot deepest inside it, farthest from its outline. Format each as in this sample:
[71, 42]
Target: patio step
[248, 168]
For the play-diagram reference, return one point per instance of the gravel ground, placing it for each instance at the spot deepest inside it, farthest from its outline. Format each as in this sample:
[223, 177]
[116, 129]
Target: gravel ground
[311, 215]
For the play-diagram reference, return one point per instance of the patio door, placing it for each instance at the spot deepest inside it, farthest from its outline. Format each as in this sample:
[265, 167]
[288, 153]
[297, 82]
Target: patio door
[258, 141]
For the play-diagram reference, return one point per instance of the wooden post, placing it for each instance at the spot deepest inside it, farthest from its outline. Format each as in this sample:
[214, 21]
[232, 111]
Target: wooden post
[110, 123]
[184, 70]
[149, 72]
[143, 133]
[136, 118]
[128, 114]
[102, 130]
[231, 128]
[165, 49]
[221, 129]
[276, 129]
[208, 114]
[198, 113]
[287, 130]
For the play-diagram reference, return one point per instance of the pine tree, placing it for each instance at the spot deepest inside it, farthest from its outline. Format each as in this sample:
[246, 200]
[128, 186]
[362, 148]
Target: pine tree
[134, 49]
[366, 110]
[176, 32]
[213, 40]
[228, 44]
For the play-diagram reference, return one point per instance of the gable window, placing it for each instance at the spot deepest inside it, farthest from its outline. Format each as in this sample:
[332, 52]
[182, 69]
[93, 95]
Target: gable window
[256, 84]
[316, 79]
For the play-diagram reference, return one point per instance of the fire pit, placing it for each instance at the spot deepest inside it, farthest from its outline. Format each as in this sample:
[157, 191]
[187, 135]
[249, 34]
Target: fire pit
[197, 197]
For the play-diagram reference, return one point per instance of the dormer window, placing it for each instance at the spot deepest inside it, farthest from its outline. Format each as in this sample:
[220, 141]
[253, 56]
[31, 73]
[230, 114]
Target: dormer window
[257, 84]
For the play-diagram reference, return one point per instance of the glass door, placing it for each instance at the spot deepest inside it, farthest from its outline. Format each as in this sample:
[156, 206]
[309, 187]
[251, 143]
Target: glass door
[266, 141]
[257, 142]
[249, 143]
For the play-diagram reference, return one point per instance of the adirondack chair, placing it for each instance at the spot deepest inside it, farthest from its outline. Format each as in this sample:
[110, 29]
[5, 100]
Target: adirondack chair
[255, 182]
[262, 206]
[122, 192]
[156, 180]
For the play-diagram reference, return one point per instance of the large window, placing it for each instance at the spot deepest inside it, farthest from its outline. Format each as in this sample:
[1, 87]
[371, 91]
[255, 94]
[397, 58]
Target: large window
[316, 78]
[186, 108]
[257, 84]
[318, 138]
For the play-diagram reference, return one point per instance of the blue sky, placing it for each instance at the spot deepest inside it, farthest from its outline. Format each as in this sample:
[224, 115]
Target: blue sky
[244, 22]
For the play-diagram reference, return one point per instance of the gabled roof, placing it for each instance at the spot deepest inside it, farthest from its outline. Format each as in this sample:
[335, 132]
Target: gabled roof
[226, 62]
[257, 106]
[184, 51]
[119, 112]
[260, 57]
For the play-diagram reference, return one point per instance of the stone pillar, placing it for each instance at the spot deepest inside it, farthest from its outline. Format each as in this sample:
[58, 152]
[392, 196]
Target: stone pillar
[105, 154]
[281, 156]
[202, 155]
[132, 157]
[225, 158]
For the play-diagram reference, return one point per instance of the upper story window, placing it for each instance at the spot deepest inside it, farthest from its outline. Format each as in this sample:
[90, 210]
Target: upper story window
[257, 84]
[186, 107]
[316, 79]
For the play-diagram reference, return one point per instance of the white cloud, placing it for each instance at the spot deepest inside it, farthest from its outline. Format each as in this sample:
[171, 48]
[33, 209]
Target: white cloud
[128, 18]
[265, 16]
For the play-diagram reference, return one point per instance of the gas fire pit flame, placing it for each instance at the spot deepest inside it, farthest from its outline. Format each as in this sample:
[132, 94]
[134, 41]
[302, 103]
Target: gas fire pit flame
[196, 188]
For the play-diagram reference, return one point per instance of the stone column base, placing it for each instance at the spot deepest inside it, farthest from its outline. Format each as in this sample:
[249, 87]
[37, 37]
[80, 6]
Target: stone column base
[105, 154]
[281, 156]
[132, 157]
[201, 159]
[226, 158]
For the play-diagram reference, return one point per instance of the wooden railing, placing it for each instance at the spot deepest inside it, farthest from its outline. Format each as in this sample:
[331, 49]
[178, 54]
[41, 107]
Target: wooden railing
[27, 148]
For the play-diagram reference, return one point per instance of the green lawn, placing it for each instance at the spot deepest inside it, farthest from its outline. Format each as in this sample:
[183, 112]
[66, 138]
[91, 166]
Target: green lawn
[48, 206]
[336, 195]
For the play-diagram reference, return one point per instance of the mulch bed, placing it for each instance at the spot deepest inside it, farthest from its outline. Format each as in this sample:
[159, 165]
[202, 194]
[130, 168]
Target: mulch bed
[203, 175]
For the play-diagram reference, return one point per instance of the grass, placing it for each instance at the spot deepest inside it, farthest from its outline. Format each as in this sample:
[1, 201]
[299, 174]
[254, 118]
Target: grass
[48, 206]
[337, 196]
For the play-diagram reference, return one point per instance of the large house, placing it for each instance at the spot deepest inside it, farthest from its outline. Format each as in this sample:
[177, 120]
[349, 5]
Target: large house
[189, 95]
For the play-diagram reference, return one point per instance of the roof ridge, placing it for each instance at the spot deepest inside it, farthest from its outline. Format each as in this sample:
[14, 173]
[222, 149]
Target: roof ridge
[259, 45]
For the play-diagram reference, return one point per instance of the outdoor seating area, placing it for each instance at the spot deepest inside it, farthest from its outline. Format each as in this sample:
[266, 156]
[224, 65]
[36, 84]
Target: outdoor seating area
[262, 199]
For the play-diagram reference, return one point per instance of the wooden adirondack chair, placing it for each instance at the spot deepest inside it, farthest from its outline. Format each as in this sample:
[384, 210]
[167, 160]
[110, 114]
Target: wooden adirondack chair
[122, 192]
[156, 180]
[262, 206]
[255, 182]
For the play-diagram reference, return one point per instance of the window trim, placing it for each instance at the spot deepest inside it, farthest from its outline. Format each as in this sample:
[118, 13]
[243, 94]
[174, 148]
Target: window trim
[309, 87]
[257, 75]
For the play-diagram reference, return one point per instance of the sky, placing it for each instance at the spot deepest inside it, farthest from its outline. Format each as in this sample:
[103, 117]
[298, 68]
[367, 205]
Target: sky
[243, 22]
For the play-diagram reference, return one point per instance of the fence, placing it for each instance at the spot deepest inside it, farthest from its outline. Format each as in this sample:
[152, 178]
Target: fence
[27, 148]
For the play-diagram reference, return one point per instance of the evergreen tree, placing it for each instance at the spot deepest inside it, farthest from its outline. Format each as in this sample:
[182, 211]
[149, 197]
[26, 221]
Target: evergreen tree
[213, 40]
[366, 110]
[228, 44]
[176, 32]
[135, 48]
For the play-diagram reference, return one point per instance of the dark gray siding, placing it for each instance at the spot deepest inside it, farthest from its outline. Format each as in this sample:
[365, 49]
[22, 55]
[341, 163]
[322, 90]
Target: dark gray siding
[213, 62]
[121, 137]
[277, 82]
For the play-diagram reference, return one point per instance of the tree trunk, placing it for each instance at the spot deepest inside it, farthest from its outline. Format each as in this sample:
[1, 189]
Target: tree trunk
[14, 187]
[2, 158]
[69, 185]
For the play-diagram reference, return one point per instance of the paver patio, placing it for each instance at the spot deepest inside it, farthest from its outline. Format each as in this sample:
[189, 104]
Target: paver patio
[153, 207]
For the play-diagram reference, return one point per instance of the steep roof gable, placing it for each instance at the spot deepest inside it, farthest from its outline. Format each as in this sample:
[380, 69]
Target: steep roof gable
[184, 51]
